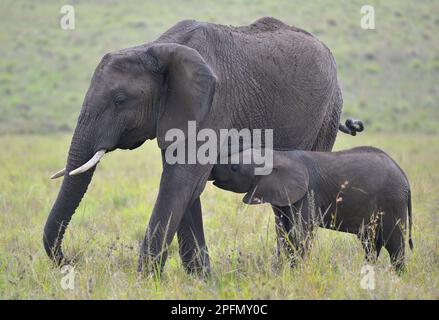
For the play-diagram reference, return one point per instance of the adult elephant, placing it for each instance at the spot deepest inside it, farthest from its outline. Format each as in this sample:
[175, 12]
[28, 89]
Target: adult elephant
[265, 75]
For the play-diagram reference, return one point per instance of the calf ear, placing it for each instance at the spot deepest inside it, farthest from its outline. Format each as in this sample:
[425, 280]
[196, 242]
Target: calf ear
[285, 185]
[190, 86]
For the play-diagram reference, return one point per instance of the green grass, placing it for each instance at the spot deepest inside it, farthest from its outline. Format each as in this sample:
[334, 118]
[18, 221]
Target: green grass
[389, 79]
[389, 75]
[106, 231]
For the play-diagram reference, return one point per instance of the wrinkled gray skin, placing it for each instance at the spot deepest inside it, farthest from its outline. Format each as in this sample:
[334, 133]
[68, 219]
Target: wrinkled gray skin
[265, 75]
[361, 191]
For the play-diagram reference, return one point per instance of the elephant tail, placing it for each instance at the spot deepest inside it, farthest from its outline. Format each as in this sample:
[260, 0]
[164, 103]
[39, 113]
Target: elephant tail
[351, 127]
[409, 209]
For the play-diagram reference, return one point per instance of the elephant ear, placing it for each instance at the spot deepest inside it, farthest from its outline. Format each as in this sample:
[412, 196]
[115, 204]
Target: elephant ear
[285, 185]
[190, 85]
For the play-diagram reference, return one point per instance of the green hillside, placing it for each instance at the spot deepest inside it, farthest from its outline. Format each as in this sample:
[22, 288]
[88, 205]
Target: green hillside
[389, 75]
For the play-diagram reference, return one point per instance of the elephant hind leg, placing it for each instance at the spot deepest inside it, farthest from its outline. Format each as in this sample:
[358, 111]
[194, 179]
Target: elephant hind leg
[394, 235]
[395, 246]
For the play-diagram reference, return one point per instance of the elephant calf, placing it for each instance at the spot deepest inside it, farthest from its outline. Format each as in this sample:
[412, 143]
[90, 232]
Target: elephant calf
[360, 191]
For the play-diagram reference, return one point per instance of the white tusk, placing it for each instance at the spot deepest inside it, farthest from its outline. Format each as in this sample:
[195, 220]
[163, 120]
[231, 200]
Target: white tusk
[90, 163]
[58, 174]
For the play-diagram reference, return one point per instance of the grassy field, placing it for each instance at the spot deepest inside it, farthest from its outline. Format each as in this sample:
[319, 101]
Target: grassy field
[389, 78]
[109, 224]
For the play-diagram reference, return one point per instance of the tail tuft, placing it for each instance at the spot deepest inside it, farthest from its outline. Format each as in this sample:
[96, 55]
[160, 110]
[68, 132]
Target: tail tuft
[355, 125]
[409, 209]
[351, 127]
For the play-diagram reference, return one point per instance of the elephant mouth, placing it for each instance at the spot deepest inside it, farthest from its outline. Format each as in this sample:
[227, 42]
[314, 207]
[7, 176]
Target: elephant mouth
[129, 144]
[229, 186]
[221, 184]
[137, 144]
[217, 183]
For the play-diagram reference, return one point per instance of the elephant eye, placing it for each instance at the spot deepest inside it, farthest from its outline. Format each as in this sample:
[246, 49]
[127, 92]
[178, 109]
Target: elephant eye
[234, 167]
[119, 99]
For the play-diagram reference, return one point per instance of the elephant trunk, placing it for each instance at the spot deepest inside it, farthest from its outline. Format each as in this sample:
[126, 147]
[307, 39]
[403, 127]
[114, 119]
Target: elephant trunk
[72, 190]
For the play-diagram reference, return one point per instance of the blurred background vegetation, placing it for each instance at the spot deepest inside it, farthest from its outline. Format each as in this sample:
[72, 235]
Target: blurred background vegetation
[389, 75]
[389, 78]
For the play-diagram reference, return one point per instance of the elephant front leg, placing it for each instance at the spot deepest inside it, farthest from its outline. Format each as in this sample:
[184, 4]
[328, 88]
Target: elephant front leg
[294, 231]
[286, 242]
[179, 187]
[192, 245]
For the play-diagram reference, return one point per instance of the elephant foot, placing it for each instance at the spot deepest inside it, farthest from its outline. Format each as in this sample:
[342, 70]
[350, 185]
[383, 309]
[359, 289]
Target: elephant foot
[149, 269]
[198, 265]
[151, 265]
[279, 262]
[62, 262]
[58, 258]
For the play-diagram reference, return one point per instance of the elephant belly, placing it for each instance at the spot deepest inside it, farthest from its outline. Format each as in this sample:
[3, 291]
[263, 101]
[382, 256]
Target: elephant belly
[350, 214]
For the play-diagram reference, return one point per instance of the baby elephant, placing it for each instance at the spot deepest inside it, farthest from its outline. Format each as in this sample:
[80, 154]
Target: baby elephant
[361, 191]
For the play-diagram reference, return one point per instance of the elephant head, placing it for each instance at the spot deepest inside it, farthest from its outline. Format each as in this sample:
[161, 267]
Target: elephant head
[286, 183]
[134, 95]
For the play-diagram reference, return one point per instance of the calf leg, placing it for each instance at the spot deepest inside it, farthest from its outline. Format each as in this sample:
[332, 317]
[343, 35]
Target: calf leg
[395, 246]
[294, 231]
[283, 224]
